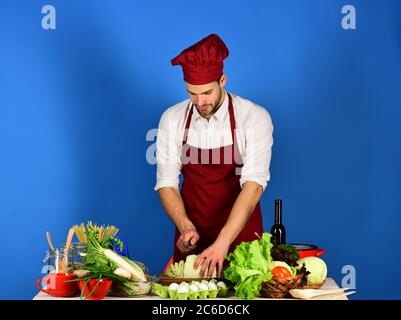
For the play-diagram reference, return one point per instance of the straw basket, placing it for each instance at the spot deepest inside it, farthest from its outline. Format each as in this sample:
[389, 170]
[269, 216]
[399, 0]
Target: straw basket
[279, 288]
[312, 286]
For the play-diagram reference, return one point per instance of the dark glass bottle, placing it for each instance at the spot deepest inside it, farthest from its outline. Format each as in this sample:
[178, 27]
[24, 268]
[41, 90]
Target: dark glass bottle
[278, 230]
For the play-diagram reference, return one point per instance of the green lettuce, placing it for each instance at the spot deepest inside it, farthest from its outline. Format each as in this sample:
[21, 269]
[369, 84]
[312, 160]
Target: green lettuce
[250, 266]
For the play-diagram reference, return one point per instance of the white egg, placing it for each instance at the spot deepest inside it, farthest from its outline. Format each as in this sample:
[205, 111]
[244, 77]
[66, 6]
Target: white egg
[174, 286]
[221, 284]
[212, 286]
[193, 288]
[182, 289]
[203, 287]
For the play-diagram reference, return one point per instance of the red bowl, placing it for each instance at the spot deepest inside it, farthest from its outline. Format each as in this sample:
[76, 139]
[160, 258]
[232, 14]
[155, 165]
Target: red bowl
[58, 284]
[101, 290]
[307, 250]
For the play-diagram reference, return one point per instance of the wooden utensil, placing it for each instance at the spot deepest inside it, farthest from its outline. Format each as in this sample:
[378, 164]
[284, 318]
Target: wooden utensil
[311, 293]
[49, 241]
[69, 238]
[68, 244]
[59, 264]
[333, 296]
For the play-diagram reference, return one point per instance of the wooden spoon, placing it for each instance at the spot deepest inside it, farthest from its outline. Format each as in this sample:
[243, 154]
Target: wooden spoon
[332, 296]
[311, 293]
[67, 246]
[69, 239]
[59, 264]
[49, 241]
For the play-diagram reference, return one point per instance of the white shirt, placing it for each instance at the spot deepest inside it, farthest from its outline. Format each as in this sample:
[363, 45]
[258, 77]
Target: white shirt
[254, 131]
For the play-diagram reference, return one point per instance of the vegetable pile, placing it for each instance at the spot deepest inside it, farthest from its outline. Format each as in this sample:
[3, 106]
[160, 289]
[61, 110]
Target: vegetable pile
[102, 261]
[254, 263]
[285, 264]
[250, 266]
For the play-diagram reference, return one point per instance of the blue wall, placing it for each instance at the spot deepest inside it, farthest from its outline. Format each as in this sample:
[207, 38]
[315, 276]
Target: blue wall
[77, 102]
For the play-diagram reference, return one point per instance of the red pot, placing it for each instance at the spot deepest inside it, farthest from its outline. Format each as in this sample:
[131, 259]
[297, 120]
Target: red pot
[102, 288]
[308, 250]
[57, 284]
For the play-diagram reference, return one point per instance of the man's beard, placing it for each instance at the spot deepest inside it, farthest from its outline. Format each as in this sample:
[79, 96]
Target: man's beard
[215, 106]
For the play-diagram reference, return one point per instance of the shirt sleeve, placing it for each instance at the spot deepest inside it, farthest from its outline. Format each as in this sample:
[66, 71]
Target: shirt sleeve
[258, 150]
[168, 158]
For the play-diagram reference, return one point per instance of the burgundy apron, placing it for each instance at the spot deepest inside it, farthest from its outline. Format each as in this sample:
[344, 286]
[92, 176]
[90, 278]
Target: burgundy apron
[209, 190]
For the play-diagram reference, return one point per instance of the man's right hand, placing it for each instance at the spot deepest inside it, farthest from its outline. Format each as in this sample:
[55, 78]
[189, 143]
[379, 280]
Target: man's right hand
[188, 240]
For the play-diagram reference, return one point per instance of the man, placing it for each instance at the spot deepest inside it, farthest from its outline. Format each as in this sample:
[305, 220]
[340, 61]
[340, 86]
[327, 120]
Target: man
[221, 144]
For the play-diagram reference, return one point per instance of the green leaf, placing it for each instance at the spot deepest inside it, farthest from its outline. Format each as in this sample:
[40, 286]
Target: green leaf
[250, 266]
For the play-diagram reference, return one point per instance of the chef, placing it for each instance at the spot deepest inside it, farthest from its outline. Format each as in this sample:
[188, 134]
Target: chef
[221, 144]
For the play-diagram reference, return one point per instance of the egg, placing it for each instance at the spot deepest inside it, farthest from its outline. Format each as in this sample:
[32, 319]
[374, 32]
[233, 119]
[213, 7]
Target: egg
[184, 284]
[174, 286]
[212, 286]
[221, 284]
[203, 287]
[182, 289]
[193, 288]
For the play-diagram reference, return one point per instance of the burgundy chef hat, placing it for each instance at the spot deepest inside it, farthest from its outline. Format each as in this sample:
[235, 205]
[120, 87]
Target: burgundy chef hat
[202, 62]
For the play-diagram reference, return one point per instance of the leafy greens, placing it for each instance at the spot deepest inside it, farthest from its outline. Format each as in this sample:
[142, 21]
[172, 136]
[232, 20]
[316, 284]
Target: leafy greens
[250, 266]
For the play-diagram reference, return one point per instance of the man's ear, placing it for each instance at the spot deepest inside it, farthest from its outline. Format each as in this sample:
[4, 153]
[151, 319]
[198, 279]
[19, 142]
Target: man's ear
[223, 80]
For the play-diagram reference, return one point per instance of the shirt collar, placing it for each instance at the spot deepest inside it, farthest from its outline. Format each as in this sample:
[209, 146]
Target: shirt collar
[220, 113]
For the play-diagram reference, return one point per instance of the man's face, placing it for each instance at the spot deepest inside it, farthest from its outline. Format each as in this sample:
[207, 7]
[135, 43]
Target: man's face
[207, 97]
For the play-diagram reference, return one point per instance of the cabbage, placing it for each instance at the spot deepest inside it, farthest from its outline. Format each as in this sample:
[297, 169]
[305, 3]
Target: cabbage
[317, 268]
[190, 272]
[176, 270]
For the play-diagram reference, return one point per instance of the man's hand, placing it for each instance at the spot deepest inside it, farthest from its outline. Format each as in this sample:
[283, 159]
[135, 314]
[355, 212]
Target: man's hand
[212, 258]
[187, 240]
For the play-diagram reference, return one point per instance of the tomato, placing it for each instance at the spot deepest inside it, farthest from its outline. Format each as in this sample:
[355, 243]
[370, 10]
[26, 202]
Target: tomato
[281, 272]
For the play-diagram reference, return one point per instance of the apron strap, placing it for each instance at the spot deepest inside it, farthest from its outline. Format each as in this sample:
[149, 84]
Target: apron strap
[232, 125]
[184, 139]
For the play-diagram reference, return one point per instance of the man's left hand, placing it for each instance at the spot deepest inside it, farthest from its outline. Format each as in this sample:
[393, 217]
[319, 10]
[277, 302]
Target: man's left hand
[212, 258]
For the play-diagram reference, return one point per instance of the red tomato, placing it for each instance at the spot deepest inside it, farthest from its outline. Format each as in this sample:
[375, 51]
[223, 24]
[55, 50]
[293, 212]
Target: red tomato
[281, 272]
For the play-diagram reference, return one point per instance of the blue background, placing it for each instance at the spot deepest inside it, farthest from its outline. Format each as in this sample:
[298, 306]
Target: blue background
[76, 104]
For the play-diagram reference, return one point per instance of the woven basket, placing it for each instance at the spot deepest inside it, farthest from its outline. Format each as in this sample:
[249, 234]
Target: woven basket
[279, 288]
[312, 286]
